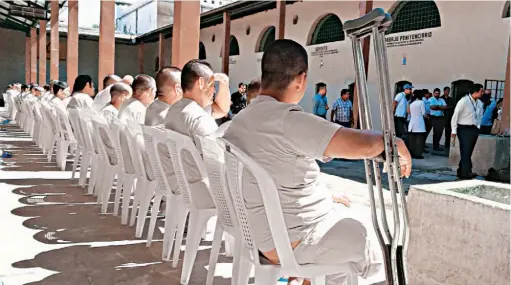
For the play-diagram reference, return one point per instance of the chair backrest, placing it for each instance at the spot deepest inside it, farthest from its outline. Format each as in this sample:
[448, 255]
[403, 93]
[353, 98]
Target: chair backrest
[155, 137]
[105, 138]
[52, 118]
[177, 145]
[63, 118]
[88, 135]
[77, 128]
[237, 163]
[132, 132]
[115, 127]
[214, 161]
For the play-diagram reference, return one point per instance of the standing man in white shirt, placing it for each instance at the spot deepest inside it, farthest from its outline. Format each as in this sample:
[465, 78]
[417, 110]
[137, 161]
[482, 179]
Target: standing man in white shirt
[465, 125]
[400, 106]
[83, 91]
[168, 86]
[134, 109]
[438, 106]
[104, 97]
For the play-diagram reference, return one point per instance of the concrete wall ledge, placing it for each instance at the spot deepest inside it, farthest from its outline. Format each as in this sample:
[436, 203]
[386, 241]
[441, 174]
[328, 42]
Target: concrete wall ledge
[459, 233]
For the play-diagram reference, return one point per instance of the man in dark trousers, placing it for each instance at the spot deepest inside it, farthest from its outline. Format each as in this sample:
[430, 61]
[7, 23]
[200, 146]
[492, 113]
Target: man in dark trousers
[451, 104]
[399, 107]
[465, 125]
[437, 118]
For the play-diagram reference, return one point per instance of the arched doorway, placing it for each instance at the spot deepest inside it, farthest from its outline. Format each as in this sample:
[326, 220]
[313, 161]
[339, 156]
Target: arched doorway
[460, 88]
[328, 29]
[413, 16]
[266, 39]
[398, 87]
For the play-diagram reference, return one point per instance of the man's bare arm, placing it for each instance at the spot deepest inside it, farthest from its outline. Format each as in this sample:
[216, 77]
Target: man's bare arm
[222, 102]
[394, 105]
[363, 144]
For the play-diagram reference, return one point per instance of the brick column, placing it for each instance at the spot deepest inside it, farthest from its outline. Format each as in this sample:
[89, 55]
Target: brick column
[54, 41]
[227, 43]
[505, 103]
[281, 20]
[161, 51]
[364, 8]
[72, 42]
[106, 41]
[33, 55]
[185, 32]
[42, 52]
[141, 58]
[27, 60]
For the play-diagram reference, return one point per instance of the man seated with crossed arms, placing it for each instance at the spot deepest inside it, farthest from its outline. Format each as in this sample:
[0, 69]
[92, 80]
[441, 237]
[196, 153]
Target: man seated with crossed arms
[286, 141]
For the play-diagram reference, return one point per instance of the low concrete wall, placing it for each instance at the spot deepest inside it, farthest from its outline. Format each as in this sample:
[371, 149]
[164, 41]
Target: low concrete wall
[459, 239]
[490, 152]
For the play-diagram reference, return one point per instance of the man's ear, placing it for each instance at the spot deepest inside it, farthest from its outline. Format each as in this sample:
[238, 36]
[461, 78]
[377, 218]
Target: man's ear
[202, 83]
[301, 81]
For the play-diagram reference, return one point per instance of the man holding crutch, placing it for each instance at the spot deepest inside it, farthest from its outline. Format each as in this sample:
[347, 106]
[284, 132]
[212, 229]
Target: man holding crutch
[465, 125]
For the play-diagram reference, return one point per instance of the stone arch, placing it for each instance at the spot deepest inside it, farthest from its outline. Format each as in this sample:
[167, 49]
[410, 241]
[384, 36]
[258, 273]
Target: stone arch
[413, 16]
[266, 38]
[328, 28]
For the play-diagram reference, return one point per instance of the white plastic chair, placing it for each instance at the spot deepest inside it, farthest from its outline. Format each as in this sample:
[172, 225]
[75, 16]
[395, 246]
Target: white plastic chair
[227, 220]
[51, 119]
[112, 169]
[177, 145]
[237, 163]
[67, 138]
[114, 125]
[81, 155]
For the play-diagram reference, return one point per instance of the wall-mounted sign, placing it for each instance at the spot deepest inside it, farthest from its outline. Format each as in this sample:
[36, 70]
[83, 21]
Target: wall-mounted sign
[323, 50]
[407, 39]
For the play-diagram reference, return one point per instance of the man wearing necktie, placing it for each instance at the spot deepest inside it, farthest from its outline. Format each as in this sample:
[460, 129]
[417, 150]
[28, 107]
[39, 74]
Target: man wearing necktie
[465, 125]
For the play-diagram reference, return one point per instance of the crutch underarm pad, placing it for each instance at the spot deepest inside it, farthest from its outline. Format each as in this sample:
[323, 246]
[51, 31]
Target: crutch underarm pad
[375, 16]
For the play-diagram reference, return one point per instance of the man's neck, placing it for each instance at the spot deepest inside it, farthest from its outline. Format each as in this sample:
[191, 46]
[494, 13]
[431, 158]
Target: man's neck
[168, 99]
[473, 96]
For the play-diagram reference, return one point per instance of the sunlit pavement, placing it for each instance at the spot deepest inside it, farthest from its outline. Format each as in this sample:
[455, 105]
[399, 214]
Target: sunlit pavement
[52, 233]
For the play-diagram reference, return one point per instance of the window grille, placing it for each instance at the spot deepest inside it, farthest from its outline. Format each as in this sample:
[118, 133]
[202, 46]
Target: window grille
[414, 16]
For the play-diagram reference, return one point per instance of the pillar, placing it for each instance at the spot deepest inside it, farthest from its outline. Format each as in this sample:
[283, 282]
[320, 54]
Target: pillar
[33, 55]
[141, 58]
[27, 60]
[227, 43]
[185, 32]
[72, 42]
[281, 20]
[161, 51]
[106, 41]
[364, 8]
[42, 52]
[506, 102]
[54, 41]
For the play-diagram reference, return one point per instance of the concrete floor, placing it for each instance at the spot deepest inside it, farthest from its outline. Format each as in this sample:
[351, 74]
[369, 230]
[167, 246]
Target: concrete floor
[54, 234]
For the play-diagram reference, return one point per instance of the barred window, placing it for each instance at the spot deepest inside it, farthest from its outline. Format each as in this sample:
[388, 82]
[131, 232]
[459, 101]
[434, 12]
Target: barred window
[329, 29]
[415, 15]
[234, 48]
[267, 38]
[202, 51]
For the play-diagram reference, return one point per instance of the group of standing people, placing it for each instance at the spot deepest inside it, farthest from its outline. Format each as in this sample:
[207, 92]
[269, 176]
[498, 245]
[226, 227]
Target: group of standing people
[342, 110]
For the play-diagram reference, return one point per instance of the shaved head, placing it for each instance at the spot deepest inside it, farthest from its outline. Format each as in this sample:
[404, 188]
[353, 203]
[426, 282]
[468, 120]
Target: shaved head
[110, 79]
[128, 79]
[168, 76]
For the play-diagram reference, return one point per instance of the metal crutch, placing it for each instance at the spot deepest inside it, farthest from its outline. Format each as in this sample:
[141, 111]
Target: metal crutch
[394, 245]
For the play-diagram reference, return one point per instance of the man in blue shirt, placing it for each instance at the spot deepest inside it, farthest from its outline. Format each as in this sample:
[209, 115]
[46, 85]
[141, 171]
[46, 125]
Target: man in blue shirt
[399, 107]
[438, 106]
[487, 120]
[343, 110]
[320, 101]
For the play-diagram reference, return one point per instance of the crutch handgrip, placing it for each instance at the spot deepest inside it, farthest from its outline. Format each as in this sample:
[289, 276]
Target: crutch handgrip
[369, 20]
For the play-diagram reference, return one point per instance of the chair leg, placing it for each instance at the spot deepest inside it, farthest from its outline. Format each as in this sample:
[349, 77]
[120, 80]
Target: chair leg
[107, 190]
[118, 190]
[215, 250]
[84, 168]
[181, 223]
[318, 280]
[229, 245]
[63, 154]
[154, 217]
[93, 175]
[127, 188]
[242, 266]
[75, 163]
[145, 202]
[266, 276]
[141, 184]
[198, 221]
[352, 279]
[171, 221]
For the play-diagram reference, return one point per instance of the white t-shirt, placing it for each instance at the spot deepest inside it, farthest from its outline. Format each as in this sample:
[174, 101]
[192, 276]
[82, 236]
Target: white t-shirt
[80, 100]
[188, 118]
[156, 113]
[102, 99]
[109, 111]
[132, 110]
[286, 142]
[401, 105]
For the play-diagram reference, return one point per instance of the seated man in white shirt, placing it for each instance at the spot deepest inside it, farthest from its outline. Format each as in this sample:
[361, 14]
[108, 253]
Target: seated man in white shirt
[188, 117]
[83, 91]
[286, 141]
[119, 92]
[61, 91]
[103, 97]
[134, 109]
[168, 86]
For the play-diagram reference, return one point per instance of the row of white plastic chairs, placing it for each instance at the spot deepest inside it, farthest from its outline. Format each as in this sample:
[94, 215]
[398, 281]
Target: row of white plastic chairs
[97, 144]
